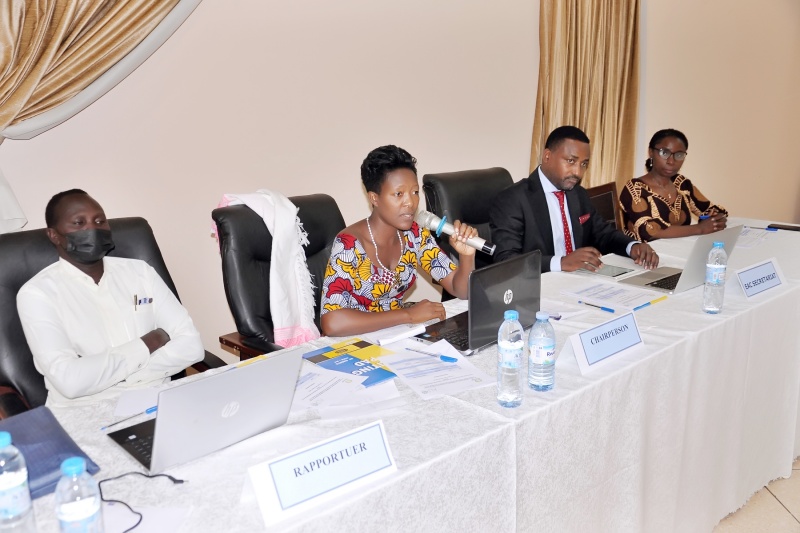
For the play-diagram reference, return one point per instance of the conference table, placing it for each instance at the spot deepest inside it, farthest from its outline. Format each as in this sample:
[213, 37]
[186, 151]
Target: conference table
[670, 436]
[678, 433]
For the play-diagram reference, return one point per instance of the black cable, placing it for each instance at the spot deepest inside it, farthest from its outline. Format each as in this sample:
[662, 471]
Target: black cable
[176, 481]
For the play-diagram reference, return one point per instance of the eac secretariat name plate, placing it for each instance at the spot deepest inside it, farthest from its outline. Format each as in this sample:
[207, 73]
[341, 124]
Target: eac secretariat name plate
[318, 473]
[760, 277]
[595, 347]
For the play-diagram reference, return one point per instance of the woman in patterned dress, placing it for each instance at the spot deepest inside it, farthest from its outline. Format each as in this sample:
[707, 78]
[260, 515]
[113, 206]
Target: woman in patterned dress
[374, 262]
[661, 203]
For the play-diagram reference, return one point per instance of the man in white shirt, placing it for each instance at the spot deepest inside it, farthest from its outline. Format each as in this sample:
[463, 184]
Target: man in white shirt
[551, 212]
[99, 324]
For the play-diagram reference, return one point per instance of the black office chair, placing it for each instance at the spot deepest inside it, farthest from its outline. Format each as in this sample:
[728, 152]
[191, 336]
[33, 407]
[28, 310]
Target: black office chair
[246, 248]
[24, 254]
[466, 196]
[605, 201]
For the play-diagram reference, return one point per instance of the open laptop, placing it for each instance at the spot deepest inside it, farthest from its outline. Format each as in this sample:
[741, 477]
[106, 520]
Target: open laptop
[675, 280]
[208, 414]
[511, 284]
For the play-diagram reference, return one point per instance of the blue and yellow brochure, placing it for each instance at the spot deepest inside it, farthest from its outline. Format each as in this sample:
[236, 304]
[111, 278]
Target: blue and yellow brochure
[356, 357]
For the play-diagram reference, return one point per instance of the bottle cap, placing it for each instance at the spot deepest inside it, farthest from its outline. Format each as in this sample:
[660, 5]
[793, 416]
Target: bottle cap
[718, 244]
[5, 439]
[510, 314]
[542, 315]
[74, 466]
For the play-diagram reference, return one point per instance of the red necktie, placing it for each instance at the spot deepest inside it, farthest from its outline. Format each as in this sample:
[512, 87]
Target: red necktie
[567, 236]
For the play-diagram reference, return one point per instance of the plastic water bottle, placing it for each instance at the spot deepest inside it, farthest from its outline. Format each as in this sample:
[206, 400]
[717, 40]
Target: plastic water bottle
[541, 354]
[16, 512]
[510, 351]
[714, 290]
[78, 499]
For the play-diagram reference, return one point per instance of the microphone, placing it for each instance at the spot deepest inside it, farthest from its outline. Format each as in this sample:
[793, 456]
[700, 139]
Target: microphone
[437, 225]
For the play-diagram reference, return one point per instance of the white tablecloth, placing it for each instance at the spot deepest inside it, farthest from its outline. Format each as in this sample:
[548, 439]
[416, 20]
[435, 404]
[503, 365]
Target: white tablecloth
[455, 473]
[671, 437]
[676, 435]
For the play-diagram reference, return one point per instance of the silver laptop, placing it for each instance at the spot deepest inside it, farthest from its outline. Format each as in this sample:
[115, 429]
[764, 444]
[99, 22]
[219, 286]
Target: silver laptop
[675, 280]
[511, 284]
[208, 414]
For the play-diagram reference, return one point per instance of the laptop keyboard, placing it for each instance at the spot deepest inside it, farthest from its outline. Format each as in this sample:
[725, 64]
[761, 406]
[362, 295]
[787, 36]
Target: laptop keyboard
[141, 448]
[457, 337]
[137, 440]
[669, 283]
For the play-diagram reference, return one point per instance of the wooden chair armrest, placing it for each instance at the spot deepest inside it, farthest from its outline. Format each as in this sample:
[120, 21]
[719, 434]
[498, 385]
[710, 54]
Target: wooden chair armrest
[247, 347]
[11, 403]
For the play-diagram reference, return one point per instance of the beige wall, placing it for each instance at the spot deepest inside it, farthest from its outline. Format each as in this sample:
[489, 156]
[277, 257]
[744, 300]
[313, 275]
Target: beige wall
[727, 73]
[290, 96]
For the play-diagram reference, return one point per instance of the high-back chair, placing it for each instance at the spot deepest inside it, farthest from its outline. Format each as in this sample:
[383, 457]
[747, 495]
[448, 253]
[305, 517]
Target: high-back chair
[246, 250]
[466, 196]
[604, 199]
[23, 255]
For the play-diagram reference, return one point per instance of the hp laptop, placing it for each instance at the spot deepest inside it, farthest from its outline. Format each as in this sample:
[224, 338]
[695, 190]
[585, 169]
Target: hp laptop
[206, 415]
[675, 280]
[512, 284]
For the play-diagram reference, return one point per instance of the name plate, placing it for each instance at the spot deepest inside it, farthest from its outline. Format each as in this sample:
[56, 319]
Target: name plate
[595, 347]
[297, 481]
[760, 277]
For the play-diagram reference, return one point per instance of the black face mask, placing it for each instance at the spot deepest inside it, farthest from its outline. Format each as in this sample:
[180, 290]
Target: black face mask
[89, 245]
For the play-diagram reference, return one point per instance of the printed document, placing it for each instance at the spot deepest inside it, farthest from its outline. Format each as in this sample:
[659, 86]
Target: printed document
[318, 386]
[430, 376]
[615, 297]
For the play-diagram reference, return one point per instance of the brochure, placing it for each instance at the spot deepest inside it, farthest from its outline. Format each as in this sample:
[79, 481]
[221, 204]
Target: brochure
[355, 356]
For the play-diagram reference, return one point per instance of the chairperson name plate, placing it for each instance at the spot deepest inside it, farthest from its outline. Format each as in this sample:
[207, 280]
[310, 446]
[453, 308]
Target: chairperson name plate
[760, 277]
[293, 483]
[597, 346]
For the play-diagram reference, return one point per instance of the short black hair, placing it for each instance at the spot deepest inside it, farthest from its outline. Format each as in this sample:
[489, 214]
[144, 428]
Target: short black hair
[50, 210]
[381, 161]
[669, 132]
[659, 136]
[562, 133]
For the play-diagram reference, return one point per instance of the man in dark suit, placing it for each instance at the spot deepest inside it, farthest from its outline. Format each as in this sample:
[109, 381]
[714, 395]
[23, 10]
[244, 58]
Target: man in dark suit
[551, 212]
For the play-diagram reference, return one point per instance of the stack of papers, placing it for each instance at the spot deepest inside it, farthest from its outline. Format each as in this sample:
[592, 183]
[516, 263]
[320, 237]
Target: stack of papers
[442, 371]
[613, 297]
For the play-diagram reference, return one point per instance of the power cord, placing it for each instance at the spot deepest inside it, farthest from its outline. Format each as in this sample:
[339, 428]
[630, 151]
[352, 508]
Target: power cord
[174, 480]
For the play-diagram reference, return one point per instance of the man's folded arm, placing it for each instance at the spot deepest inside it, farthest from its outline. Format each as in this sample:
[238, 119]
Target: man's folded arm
[73, 374]
[184, 347]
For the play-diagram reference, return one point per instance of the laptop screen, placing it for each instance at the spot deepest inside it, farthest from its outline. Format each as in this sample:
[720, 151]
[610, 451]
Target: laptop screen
[515, 283]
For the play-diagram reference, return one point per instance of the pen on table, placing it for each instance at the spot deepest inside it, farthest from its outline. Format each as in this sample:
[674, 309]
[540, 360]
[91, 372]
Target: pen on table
[606, 309]
[765, 229]
[650, 303]
[148, 411]
[135, 302]
[445, 358]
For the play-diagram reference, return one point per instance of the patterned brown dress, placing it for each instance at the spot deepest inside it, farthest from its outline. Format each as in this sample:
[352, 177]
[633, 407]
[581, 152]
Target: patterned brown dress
[645, 213]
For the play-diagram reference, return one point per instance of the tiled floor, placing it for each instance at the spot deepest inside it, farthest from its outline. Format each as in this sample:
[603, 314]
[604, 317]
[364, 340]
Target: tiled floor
[773, 509]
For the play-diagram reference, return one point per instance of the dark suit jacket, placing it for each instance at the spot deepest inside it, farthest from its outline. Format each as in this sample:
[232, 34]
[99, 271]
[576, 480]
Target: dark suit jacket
[520, 222]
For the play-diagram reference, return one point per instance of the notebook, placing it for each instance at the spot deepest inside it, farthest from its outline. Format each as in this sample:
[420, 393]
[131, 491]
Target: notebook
[44, 444]
[511, 284]
[674, 280]
[209, 414]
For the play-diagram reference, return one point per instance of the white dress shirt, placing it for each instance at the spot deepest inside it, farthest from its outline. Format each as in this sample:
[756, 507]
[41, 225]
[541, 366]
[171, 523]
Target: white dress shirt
[85, 337]
[559, 247]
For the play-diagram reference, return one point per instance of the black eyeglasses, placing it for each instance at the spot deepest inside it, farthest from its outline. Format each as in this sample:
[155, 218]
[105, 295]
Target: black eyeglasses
[664, 153]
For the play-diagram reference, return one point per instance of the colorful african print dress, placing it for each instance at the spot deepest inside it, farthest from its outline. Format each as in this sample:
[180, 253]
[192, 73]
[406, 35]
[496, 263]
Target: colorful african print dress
[353, 282]
[646, 213]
